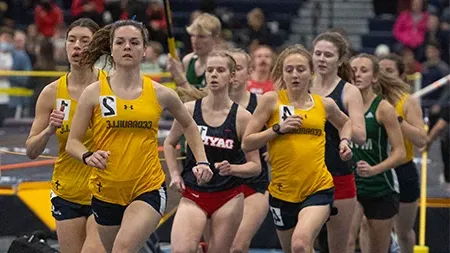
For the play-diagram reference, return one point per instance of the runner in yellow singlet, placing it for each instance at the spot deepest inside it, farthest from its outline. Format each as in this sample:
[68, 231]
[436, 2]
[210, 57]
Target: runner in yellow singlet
[70, 197]
[129, 195]
[301, 190]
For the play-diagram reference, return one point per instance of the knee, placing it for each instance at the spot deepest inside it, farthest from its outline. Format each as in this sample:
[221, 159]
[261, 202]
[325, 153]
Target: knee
[301, 245]
[364, 225]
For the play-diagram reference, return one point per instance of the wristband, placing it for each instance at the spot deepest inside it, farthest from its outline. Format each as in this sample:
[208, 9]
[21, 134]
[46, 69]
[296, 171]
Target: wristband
[203, 163]
[86, 155]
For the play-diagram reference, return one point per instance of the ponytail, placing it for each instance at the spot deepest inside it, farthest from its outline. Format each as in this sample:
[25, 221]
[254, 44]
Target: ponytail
[99, 45]
[391, 88]
[345, 72]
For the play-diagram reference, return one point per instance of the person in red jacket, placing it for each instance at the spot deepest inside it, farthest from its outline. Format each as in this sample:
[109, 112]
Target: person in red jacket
[411, 25]
[47, 17]
[92, 9]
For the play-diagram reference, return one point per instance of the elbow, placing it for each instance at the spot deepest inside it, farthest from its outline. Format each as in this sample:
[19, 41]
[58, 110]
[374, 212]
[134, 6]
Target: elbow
[168, 144]
[402, 155]
[422, 143]
[253, 171]
[30, 154]
[359, 136]
[257, 170]
[245, 146]
[360, 139]
[68, 147]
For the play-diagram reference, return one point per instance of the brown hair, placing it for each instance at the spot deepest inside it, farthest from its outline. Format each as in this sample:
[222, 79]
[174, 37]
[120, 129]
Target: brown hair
[102, 41]
[83, 22]
[344, 70]
[390, 88]
[245, 54]
[277, 71]
[192, 93]
[399, 64]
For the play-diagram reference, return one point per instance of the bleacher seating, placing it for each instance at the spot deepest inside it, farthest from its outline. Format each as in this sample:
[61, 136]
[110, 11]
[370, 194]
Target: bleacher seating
[380, 32]
[273, 10]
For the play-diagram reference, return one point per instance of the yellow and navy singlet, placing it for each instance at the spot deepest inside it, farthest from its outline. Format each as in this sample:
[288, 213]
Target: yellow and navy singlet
[409, 146]
[70, 176]
[129, 130]
[298, 158]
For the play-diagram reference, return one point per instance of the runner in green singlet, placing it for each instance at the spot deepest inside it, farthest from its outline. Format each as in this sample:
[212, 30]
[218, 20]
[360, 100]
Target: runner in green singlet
[376, 181]
[204, 32]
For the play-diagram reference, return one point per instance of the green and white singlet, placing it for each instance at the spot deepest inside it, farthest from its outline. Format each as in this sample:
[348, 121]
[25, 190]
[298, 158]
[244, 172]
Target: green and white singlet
[374, 151]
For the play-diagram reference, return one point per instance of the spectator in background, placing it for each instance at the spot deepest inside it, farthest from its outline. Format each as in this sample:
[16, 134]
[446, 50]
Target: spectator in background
[59, 44]
[411, 64]
[45, 61]
[445, 34]
[19, 40]
[433, 69]
[152, 15]
[48, 17]
[6, 63]
[92, 9]
[33, 37]
[150, 64]
[258, 33]
[157, 21]
[262, 63]
[411, 26]
[433, 28]
[14, 60]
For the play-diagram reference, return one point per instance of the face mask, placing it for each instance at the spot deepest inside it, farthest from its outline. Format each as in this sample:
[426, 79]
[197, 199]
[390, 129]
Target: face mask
[6, 47]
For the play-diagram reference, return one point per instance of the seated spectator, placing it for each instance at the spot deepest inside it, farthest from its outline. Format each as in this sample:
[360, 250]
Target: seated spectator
[411, 26]
[48, 17]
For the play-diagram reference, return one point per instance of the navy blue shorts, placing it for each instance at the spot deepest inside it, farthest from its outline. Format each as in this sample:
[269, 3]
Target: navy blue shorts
[380, 208]
[109, 214]
[408, 179]
[65, 210]
[285, 214]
